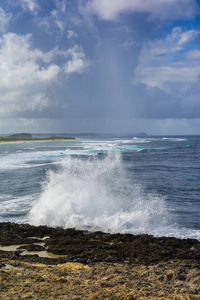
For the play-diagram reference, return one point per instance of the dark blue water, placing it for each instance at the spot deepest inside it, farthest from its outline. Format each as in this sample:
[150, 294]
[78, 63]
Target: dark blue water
[136, 185]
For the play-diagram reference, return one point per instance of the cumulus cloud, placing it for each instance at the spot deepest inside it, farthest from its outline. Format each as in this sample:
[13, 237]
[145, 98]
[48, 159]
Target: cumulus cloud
[4, 20]
[160, 64]
[165, 9]
[77, 62]
[167, 77]
[23, 81]
[26, 73]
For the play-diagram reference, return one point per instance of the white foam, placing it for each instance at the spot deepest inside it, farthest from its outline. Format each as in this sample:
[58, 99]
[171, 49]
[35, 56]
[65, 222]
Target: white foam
[174, 139]
[98, 194]
[21, 160]
[15, 209]
[141, 140]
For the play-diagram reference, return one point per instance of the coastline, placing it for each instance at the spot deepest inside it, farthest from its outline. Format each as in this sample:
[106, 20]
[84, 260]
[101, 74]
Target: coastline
[96, 265]
[36, 140]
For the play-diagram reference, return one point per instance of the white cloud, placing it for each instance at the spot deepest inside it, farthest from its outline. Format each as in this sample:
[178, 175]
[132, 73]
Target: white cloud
[161, 64]
[77, 62]
[30, 5]
[165, 9]
[181, 37]
[193, 54]
[22, 80]
[162, 76]
[60, 25]
[171, 126]
[57, 20]
[54, 13]
[4, 20]
[188, 36]
[26, 73]
[71, 34]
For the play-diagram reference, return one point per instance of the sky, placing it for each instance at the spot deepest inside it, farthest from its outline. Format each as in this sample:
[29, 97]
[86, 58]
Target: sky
[100, 66]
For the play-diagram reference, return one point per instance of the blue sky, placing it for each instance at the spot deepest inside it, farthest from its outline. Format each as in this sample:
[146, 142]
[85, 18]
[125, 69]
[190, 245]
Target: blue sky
[104, 66]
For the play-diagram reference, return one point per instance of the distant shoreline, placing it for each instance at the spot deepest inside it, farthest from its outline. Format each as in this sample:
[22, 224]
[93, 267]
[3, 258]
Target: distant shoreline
[13, 141]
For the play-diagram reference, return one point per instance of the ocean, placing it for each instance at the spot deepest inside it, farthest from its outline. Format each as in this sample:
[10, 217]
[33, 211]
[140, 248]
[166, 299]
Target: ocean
[148, 185]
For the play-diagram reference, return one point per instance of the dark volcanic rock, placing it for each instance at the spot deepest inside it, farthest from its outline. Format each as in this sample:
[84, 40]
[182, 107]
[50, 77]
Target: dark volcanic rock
[14, 234]
[92, 247]
[31, 247]
[96, 265]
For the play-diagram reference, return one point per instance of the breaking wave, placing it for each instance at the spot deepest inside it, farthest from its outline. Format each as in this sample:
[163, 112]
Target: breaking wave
[98, 193]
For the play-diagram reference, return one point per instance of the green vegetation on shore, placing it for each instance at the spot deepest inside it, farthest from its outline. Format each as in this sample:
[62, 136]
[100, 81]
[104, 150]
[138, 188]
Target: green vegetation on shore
[29, 138]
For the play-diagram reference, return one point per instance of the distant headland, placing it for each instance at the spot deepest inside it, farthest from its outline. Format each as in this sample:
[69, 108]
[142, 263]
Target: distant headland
[27, 137]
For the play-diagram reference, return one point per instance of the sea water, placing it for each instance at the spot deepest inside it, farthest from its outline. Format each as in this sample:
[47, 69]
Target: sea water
[131, 185]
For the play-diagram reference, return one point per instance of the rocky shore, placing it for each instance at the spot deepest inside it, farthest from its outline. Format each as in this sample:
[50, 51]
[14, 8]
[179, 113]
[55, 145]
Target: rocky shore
[53, 263]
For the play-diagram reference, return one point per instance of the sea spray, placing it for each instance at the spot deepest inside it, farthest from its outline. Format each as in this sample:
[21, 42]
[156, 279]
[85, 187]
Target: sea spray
[98, 194]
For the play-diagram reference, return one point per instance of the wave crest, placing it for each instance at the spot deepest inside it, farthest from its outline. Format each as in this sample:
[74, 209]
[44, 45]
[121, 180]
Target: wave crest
[98, 194]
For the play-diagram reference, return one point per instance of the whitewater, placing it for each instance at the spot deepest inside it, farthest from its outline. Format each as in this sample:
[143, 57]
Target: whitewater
[114, 184]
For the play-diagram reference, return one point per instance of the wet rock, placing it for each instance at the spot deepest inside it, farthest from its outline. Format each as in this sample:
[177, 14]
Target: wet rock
[14, 254]
[12, 233]
[92, 247]
[31, 247]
